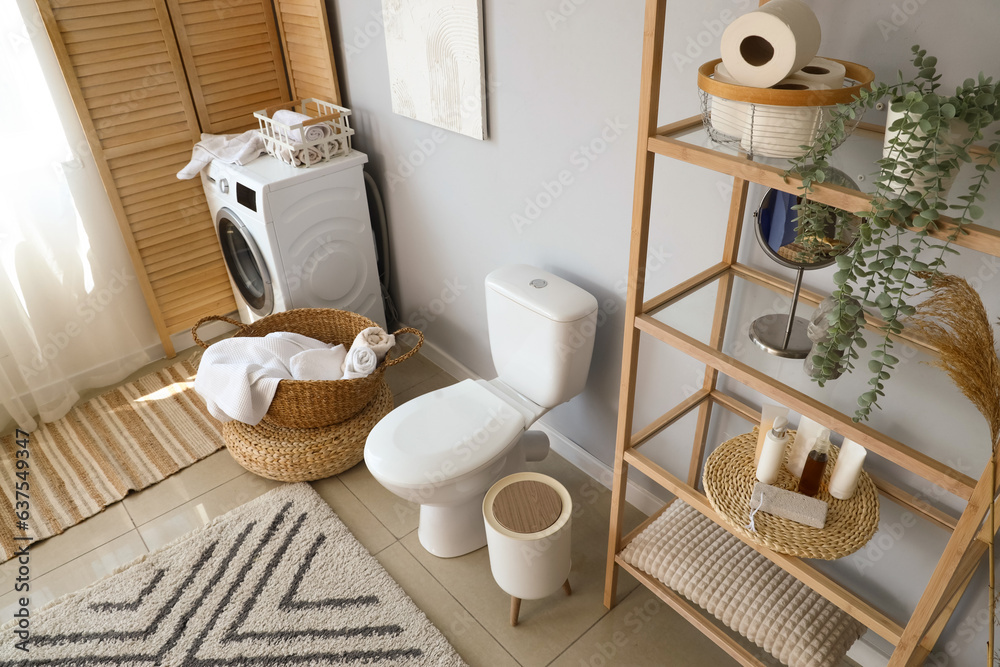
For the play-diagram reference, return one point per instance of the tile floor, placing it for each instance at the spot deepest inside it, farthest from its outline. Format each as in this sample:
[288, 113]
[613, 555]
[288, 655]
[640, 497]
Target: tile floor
[458, 595]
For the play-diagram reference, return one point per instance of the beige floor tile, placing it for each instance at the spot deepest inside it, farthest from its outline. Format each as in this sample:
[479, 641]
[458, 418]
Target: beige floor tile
[199, 511]
[398, 515]
[198, 478]
[361, 522]
[409, 373]
[77, 573]
[436, 381]
[469, 638]
[75, 541]
[641, 630]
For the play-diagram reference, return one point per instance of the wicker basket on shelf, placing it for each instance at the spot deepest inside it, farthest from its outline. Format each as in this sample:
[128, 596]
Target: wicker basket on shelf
[772, 122]
[302, 404]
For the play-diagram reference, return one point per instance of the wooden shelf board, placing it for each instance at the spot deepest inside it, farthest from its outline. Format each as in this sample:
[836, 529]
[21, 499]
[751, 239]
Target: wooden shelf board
[694, 615]
[849, 602]
[979, 237]
[921, 464]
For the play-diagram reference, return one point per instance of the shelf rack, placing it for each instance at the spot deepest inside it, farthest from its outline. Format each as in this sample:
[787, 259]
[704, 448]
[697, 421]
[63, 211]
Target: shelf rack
[967, 543]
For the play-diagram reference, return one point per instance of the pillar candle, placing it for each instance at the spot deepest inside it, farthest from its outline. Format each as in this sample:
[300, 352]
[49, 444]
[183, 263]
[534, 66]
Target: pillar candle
[847, 472]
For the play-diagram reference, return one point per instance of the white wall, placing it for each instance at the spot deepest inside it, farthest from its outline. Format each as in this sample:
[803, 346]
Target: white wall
[563, 101]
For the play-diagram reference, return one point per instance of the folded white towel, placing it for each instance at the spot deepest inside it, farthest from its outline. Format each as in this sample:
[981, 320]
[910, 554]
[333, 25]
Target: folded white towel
[319, 364]
[361, 362]
[307, 156]
[377, 339]
[238, 377]
[229, 148]
[311, 132]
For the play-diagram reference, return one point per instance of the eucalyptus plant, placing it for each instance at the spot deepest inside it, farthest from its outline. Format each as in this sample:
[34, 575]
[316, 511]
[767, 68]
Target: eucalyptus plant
[901, 233]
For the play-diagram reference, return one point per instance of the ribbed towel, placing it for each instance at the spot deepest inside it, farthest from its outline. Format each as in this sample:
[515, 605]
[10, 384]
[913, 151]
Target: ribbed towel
[229, 148]
[238, 377]
[319, 364]
[311, 132]
[361, 362]
[377, 339]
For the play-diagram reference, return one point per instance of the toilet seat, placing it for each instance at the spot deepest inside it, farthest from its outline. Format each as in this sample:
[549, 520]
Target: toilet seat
[442, 435]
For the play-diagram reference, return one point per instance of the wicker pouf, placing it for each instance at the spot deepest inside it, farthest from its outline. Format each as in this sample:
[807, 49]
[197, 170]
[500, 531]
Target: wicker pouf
[304, 454]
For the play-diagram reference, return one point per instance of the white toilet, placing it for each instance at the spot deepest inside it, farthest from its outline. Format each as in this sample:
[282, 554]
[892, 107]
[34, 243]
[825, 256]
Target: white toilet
[445, 449]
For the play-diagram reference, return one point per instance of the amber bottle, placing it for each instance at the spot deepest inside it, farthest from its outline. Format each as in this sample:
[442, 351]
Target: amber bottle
[812, 472]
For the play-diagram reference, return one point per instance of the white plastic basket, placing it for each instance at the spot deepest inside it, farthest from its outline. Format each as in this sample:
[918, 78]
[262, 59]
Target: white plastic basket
[325, 136]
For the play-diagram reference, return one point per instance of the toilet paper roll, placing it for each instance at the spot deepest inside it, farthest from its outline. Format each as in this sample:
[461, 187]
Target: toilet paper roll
[764, 46]
[782, 131]
[728, 117]
[822, 71]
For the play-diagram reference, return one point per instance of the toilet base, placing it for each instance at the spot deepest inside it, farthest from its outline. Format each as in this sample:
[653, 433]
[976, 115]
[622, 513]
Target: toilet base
[448, 531]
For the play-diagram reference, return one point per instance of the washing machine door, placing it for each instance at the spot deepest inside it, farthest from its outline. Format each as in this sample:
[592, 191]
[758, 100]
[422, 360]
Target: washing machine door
[245, 263]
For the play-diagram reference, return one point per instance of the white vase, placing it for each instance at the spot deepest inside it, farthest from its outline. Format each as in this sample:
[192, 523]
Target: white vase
[958, 132]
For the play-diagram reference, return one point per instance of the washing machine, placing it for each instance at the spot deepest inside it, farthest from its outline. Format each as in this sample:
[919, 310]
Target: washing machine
[296, 237]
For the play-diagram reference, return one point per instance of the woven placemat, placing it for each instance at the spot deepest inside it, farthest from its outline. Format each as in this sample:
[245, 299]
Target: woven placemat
[729, 479]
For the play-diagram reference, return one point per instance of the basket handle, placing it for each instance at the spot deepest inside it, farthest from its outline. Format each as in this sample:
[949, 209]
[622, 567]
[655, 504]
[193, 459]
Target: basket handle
[412, 351]
[215, 318]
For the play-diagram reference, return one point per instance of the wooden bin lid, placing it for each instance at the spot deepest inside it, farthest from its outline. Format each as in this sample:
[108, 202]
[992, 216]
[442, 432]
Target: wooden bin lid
[528, 506]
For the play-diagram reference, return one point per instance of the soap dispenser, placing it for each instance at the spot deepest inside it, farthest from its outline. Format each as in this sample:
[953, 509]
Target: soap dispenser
[772, 454]
[812, 472]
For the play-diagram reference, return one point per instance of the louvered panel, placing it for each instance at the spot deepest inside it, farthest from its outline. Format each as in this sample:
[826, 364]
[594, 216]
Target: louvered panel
[115, 116]
[223, 92]
[109, 55]
[233, 60]
[305, 36]
[149, 102]
[182, 321]
[180, 282]
[112, 66]
[137, 40]
[74, 11]
[173, 238]
[126, 78]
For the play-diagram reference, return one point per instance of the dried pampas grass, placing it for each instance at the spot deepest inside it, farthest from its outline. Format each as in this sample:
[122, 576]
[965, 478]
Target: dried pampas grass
[954, 320]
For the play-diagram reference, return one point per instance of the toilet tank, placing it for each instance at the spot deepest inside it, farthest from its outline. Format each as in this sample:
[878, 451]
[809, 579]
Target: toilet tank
[541, 332]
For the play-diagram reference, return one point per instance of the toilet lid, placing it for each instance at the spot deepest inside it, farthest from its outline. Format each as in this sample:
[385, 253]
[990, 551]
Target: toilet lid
[441, 435]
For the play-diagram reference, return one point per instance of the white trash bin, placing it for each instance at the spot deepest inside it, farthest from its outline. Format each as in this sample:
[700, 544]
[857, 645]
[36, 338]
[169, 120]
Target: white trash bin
[528, 534]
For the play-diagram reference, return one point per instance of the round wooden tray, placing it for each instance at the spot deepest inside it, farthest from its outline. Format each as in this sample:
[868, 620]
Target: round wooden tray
[729, 479]
[861, 76]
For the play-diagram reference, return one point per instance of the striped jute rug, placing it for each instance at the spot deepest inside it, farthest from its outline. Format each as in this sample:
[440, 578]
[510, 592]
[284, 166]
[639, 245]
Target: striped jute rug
[126, 439]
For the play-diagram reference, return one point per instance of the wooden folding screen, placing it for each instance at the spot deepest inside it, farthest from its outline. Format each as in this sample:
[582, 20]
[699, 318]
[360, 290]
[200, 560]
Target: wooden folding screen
[305, 35]
[232, 56]
[124, 73]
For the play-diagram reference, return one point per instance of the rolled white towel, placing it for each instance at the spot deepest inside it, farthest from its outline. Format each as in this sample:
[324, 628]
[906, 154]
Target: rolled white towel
[311, 132]
[319, 364]
[377, 339]
[361, 362]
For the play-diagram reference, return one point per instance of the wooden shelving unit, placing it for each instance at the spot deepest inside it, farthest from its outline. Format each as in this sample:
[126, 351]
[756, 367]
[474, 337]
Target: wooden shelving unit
[968, 539]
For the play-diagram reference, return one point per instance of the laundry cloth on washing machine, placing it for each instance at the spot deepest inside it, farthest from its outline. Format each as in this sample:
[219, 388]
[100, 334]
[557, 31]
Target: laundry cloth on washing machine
[238, 377]
[229, 148]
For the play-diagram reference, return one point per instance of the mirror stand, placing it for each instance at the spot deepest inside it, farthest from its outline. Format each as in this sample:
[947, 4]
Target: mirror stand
[783, 336]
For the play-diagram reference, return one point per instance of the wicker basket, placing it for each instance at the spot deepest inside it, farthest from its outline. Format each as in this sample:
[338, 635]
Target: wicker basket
[316, 403]
[305, 454]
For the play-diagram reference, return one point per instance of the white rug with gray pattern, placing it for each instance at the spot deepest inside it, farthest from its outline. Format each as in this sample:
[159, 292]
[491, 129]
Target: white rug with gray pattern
[278, 581]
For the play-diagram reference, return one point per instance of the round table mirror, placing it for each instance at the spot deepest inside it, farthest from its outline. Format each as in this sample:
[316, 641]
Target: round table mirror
[777, 230]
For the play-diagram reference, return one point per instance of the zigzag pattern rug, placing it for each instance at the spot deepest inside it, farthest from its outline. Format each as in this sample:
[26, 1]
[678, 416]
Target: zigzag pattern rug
[278, 581]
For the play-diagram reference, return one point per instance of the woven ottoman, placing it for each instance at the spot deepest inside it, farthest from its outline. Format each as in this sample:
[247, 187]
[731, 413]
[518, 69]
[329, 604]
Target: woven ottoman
[304, 454]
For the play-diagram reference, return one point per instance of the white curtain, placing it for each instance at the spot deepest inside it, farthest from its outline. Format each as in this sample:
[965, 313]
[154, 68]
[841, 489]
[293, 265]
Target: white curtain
[72, 315]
